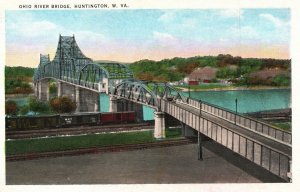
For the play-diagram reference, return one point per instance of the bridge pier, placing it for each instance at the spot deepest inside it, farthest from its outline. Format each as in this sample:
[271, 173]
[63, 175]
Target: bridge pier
[43, 90]
[58, 83]
[36, 89]
[86, 100]
[113, 104]
[67, 90]
[159, 125]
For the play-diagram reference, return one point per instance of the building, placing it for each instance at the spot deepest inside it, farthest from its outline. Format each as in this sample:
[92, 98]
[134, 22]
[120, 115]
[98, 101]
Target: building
[205, 75]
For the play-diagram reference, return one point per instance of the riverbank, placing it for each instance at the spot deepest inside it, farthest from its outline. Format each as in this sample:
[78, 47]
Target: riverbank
[229, 88]
[14, 96]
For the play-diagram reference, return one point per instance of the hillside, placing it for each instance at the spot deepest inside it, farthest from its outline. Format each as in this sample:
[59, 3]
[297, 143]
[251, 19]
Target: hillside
[18, 80]
[228, 67]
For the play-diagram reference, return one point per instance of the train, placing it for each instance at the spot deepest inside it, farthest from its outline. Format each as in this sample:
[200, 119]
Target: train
[69, 120]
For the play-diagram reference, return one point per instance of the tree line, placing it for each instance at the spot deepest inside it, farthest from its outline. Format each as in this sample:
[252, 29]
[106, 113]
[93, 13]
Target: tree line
[18, 80]
[177, 68]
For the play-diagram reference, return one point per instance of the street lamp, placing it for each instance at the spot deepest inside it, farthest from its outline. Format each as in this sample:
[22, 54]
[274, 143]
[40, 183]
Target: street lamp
[236, 102]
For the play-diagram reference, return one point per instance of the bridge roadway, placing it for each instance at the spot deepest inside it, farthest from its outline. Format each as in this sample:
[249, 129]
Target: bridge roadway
[267, 152]
[270, 142]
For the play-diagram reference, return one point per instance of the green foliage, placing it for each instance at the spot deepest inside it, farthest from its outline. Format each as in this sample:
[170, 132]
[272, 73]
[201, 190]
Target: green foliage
[17, 80]
[287, 126]
[75, 142]
[52, 88]
[207, 86]
[18, 72]
[62, 105]
[24, 110]
[177, 68]
[17, 86]
[11, 107]
[38, 106]
[173, 133]
[22, 146]
[281, 80]
[226, 73]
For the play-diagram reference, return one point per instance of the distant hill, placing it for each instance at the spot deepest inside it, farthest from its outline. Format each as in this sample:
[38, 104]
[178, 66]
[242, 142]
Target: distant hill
[107, 61]
[18, 80]
[228, 67]
[14, 72]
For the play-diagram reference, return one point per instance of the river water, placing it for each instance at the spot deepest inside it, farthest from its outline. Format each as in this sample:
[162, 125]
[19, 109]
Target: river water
[248, 100]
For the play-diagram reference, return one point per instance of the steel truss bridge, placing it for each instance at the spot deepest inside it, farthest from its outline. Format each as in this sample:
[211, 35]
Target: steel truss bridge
[259, 142]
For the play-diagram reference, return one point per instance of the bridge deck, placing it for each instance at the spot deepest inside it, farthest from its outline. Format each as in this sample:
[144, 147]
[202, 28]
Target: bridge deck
[258, 137]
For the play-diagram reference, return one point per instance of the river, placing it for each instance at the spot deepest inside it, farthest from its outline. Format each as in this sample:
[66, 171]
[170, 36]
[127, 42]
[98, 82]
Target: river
[248, 100]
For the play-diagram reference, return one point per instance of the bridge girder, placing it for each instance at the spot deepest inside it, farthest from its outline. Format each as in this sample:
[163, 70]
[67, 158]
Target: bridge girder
[148, 93]
[71, 65]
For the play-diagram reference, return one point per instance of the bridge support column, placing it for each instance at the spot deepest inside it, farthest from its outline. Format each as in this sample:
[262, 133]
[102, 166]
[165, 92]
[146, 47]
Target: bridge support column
[43, 90]
[36, 90]
[77, 99]
[113, 104]
[68, 91]
[39, 84]
[86, 100]
[159, 127]
[58, 83]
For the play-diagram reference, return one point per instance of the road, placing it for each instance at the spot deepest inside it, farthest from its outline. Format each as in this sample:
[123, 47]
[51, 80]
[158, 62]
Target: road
[176, 164]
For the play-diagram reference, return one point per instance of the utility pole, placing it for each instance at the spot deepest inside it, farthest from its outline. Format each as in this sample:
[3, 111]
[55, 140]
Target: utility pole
[236, 101]
[200, 155]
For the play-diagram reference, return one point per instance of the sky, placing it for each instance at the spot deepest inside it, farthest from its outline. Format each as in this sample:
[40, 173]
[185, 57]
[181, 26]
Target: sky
[135, 34]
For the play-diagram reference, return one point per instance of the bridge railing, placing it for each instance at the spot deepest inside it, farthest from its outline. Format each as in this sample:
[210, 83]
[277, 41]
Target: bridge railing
[265, 156]
[243, 121]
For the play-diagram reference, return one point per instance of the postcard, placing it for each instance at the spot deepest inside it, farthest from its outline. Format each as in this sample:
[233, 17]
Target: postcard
[137, 95]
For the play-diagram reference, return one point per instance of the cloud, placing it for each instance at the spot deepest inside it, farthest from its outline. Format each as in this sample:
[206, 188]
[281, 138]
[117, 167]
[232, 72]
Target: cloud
[274, 20]
[32, 28]
[167, 16]
[231, 13]
[245, 32]
[163, 37]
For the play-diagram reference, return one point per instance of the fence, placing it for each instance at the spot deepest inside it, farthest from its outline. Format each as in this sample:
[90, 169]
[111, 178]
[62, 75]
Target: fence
[243, 121]
[274, 160]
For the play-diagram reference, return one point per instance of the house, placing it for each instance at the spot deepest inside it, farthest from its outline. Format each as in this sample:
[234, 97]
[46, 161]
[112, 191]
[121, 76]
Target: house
[205, 74]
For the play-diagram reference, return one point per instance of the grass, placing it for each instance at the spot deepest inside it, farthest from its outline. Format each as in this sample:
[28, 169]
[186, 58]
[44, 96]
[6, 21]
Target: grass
[173, 133]
[84, 141]
[206, 86]
[284, 126]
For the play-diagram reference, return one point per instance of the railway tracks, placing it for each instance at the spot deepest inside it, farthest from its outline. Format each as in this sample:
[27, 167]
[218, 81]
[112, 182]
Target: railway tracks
[77, 130]
[91, 150]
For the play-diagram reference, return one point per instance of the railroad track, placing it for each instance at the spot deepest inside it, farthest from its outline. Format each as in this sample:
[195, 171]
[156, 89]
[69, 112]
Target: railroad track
[114, 148]
[76, 130]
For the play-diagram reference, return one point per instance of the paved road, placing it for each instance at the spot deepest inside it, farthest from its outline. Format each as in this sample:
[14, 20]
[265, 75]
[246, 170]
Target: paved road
[177, 164]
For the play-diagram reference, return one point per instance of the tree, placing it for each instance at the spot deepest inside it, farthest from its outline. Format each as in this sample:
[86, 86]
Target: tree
[11, 107]
[62, 105]
[38, 106]
[281, 80]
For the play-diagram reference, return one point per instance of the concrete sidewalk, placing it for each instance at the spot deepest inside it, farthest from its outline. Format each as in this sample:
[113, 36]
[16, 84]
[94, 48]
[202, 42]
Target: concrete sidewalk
[177, 164]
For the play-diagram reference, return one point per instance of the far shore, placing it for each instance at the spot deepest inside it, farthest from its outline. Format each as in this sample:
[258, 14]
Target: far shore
[231, 88]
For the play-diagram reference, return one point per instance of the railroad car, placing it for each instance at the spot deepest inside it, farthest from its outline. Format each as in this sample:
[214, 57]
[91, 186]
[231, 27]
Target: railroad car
[118, 117]
[37, 122]
[68, 120]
